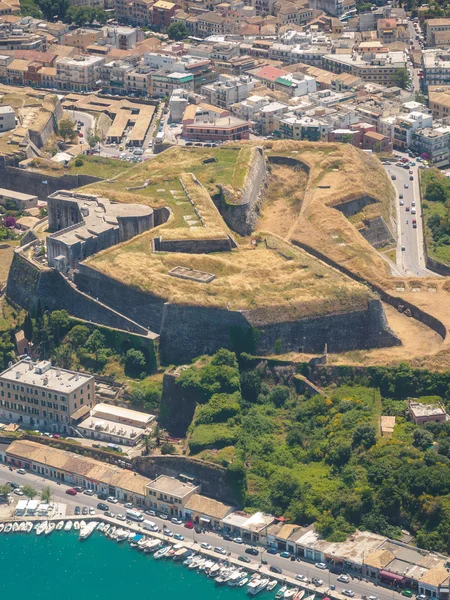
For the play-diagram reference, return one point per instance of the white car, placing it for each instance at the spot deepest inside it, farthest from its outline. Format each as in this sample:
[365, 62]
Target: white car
[163, 516]
[92, 511]
[21, 471]
[238, 540]
[112, 499]
[206, 546]
[320, 565]
[176, 521]
[18, 492]
[121, 517]
[220, 550]
[88, 492]
[343, 578]
[301, 578]
[406, 186]
[349, 593]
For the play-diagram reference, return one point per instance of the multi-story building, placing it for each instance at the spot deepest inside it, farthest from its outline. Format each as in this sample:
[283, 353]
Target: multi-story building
[123, 38]
[82, 38]
[406, 125]
[300, 128]
[163, 83]
[210, 23]
[332, 7]
[228, 90]
[90, 3]
[42, 396]
[119, 77]
[24, 41]
[387, 30]
[439, 102]
[435, 142]
[377, 67]
[16, 70]
[169, 495]
[7, 122]
[80, 74]
[434, 26]
[136, 12]
[248, 108]
[436, 68]
[162, 13]
[208, 123]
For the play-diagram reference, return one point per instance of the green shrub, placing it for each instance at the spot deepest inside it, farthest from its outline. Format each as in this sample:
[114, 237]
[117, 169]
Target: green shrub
[219, 409]
[212, 436]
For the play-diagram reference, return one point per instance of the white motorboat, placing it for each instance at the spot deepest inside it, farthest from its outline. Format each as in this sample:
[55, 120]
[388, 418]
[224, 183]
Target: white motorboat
[86, 531]
[214, 570]
[259, 587]
[201, 564]
[121, 535]
[50, 527]
[272, 585]
[68, 526]
[60, 525]
[112, 532]
[106, 528]
[299, 595]
[41, 528]
[189, 559]
[236, 577]
[23, 526]
[29, 527]
[76, 525]
[2, 527]
[290, 593]
[281, 592]
[162, 552]
[101, 527]
[8, 528]
[15, 527]
[243, 582]
[207, 566]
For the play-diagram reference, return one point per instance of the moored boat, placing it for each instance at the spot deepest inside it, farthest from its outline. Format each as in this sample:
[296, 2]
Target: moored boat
[15, 527]
[290, 592]
[162, 552]
[259, 587]
[68, 526]
[272, 585]
[2, 527]
[299, 595]
[281, 592]
[23, 526]
[76, 525]
[101, 527]
[29, 527]
[8, 528]
[214, 570]
[86, 531]
[41, 528]
[50, 527]
[60, 525]
[106, 528]
[243, 582]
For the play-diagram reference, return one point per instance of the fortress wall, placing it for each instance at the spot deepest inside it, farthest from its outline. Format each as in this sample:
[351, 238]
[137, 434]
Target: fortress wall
[161, 215]
[352, 207]
[377, 233]
[416, 312]
[145, 309]
[29, 182]
[194, 246]
[242, 217]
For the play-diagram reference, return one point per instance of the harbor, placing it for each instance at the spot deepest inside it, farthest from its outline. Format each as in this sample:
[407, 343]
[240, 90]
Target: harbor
[221, 572]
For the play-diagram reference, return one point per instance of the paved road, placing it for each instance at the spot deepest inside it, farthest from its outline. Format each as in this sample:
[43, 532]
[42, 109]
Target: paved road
[289, 568]
[411, 260]
[85, 118]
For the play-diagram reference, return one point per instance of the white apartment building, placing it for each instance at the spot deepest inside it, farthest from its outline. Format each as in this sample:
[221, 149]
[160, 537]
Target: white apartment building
[80, 74]
[41, 396]
[436, 67]
[248, 108]
[7, 118]
[406, 125]
[228, 90]
[379, 68]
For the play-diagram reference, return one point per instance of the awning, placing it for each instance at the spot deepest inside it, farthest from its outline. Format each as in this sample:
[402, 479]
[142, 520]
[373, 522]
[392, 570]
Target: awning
[205, 520]
[392, 576]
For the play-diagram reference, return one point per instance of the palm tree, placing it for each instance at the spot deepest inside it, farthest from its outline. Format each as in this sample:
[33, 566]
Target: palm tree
[29, 491]
[148, 443]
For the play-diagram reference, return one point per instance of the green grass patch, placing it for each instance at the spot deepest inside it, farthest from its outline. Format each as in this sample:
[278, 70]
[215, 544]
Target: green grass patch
[98, 166]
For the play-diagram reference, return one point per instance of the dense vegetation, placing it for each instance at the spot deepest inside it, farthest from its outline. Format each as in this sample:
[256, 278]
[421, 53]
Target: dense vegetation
[321, 459]
[436, 209]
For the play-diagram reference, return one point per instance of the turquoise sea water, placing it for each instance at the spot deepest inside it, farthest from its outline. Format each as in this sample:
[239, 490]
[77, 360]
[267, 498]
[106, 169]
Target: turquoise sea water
[60, 566]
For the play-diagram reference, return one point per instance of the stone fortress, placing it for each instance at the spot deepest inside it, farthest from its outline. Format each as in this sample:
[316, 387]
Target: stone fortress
[198, 288]
[85, 224]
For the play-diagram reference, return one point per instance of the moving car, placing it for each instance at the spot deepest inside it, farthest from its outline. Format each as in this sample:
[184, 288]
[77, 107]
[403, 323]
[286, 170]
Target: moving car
[206, 546]
[343, 578]
[285, 555]
[406, 186]
[21, 471]
[252, 551]
[176, 521]
[349, 593]
[301, 578]
[71, 492]
[320, 565]
[220, 550]
[102, 506]
[275, 569]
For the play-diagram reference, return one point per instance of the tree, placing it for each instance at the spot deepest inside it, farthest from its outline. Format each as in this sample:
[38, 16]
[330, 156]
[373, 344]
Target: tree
[364, 435]
[135, 362]
[53, 8]
[284, 487]
[29, 491]
[168, 448]
[60, 323]
[46, 494]
[436, 191]
[177, 31]
[279, 395]
[347, 138]
[66, 129]
[401, 78]
[10, 221]
[91, 138]
[422, 439]
[148, 443]
[77, 336]
[28, 327]
[5, 490]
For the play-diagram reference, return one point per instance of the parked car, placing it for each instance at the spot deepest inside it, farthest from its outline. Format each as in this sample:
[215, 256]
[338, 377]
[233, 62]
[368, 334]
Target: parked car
[178, 537]
[206, 546]
[275, 569]
[168, 532]
[128, 505]
[121, 517]
[227, 537]
[18, 492]
[349, 593]
[320, 565]
[272, 551]
[12, 485]
[407, 593]
[109, 513]
[244, 558]
[84, 510]
[151, 513]
[220, 550]
[92, 511]
[317, 582]
[301, 578]
[71, 492]
[163, 516]
[112, 499]
[21, 471]
[343, 578]
[102, 496]
[176, 521]
[88, 492]
[252, 551]
[77, 510]
[238, 540]
[406, 186]
[102, 506]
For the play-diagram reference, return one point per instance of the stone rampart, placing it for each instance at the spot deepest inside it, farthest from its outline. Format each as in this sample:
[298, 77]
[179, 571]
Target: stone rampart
[193, 246]
[212, 477]
[354, 206]
[377, 233]
[177, 405]
[30, 182]
[242, 216]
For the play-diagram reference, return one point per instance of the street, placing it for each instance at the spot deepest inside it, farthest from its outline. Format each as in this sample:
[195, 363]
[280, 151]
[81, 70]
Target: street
[289, 568]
